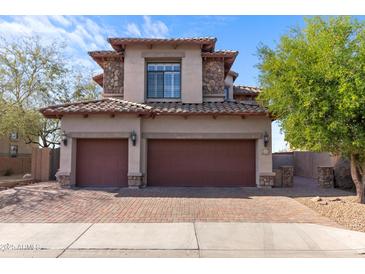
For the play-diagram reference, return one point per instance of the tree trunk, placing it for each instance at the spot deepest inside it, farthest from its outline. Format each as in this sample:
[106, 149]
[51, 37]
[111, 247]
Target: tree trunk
[358, 178]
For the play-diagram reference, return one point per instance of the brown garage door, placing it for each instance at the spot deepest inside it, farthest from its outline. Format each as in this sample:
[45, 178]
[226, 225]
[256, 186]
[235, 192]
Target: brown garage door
[102, 162]
[201, 163]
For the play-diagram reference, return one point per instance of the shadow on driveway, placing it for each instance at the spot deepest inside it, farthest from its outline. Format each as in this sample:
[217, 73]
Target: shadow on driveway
[303, 187]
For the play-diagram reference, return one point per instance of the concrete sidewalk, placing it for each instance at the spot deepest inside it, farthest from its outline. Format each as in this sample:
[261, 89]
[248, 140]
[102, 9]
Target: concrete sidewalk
[178, 240]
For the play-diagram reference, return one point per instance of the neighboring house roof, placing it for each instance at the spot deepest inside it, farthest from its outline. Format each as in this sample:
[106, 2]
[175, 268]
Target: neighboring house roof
[207, 43]
[113, 105]
[246, 90]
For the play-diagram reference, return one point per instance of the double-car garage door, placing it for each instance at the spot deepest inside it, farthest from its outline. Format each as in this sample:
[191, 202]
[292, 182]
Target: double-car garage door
[170, 162]
[201, 163]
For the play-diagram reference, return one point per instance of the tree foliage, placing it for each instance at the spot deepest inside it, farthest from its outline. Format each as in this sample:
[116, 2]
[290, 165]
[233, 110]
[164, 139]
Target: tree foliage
[314, 83]
[34, 74]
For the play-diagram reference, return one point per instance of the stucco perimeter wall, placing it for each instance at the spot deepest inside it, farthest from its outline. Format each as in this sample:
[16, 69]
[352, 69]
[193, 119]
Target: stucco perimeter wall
[205, 127]
[306, 163]
[135, 70]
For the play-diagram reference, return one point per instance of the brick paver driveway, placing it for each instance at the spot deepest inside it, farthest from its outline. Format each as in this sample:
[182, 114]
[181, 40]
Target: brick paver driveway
[47, 202]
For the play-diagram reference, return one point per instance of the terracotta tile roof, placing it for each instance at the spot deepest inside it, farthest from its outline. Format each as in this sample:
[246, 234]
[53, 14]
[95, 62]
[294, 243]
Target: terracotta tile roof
[101, 55]
[113, 105]
[106, 105]
[99, 79]
[246, 90]
[208, 43]
[229, 57]
[212, 108]
[221, 53]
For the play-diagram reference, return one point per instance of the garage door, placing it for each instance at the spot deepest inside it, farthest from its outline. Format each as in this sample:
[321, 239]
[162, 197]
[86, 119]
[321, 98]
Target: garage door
[201, 162]
[102, 162]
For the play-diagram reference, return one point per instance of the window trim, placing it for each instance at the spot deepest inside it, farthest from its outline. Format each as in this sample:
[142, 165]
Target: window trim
[163, 83]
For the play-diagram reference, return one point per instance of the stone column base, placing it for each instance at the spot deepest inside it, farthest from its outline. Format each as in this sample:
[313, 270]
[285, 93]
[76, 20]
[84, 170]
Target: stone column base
[64, 179]
[135, 180]
[325, 176]
[266, 180]
[287, 176]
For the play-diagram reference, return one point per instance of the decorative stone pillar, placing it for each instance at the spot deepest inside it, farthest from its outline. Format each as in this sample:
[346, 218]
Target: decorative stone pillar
[64, 179]
[325, 176]
[278, 182]
[287, 176]
[135, 180]
[266, 180]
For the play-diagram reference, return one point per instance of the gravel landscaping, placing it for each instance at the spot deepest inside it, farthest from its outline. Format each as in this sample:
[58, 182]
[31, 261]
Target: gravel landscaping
[342, 209]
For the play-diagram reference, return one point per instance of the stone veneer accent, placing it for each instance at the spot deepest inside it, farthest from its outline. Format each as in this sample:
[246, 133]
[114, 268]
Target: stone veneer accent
[287, 176]
[64, 180]
[278, 181]
[213, 77]
[325, 176]
[135, 181]
[114, 77]
[267, 180]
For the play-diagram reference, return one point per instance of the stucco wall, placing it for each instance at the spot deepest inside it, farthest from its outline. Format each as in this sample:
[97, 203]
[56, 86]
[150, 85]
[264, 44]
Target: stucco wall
[23, 148]
[228, 82]
[135, 70]
[104, 126]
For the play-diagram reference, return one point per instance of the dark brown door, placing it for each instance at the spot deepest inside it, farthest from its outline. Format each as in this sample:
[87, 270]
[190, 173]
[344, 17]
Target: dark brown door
[102, 162]
[201, 163]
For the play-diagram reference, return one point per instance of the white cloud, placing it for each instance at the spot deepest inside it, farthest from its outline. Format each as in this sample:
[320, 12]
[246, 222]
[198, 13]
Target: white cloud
[154, 29]
[149, 28]
[133, 30]
[61, 20]
[79, 33]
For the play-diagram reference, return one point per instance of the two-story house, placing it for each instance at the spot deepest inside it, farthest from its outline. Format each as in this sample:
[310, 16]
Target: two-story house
[170, 116]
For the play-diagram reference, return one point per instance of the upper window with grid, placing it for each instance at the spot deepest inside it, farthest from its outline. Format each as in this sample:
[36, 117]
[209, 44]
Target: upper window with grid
[163, 80]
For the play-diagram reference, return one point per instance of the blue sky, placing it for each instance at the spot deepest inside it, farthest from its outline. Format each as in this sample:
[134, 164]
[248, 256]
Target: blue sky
[84, 33]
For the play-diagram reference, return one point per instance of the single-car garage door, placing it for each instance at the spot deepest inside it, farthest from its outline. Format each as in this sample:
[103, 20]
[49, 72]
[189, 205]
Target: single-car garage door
[201, 162]
[102, 162]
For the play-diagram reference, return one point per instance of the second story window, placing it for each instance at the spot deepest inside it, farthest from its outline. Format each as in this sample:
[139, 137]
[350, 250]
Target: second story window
[163, 80]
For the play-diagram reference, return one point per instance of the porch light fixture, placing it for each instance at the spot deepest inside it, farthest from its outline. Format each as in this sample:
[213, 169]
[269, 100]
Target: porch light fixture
[133, 137]
[64, 138]
[266, 139]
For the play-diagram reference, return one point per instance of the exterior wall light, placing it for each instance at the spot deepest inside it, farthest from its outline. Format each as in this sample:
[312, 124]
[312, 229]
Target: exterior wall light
[64, 138]
[266, 139]
[133, 137]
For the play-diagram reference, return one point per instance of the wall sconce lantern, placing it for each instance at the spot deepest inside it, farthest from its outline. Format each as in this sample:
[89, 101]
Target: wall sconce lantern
[134, 137]
[266, 139]
[64, 138]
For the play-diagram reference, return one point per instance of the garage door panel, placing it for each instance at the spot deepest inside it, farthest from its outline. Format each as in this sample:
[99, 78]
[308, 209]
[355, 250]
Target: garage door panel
[201, 163]
[102, 162]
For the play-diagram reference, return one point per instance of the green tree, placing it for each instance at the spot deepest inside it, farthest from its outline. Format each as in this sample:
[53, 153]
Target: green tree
[34, 74]
[314, 83]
